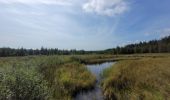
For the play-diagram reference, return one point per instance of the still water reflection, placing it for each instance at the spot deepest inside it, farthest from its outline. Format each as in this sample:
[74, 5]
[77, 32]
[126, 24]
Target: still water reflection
[96, 93]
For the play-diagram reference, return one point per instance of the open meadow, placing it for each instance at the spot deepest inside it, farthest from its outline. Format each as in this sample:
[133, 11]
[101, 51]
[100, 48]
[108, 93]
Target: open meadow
[145, 78]
[133, 77]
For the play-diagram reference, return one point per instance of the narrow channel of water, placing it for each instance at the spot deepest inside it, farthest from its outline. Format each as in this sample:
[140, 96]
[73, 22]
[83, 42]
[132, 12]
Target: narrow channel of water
[96, 93]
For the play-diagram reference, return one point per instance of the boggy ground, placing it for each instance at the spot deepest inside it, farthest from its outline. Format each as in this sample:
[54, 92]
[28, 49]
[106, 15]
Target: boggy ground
[44, 77]
[139, 76]
[146, 78]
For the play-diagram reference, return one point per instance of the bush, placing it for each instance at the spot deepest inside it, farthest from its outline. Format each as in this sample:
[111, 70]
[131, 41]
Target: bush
[22, 84]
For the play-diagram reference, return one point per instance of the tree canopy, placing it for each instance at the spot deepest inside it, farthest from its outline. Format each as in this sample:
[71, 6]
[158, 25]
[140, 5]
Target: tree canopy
[153, 46]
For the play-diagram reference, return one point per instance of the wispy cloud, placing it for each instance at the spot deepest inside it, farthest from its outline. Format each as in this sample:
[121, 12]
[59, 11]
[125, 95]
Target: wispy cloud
[47, 2]
[161, 32]
[81, 24]
[106, 7]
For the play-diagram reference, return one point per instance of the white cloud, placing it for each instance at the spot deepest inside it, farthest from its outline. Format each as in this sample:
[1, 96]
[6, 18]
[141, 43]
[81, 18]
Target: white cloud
[47, 2]
[106, 7]
[161, 32]
[164, 32]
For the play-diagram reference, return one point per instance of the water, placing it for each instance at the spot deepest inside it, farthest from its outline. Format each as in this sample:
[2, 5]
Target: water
[96, 93]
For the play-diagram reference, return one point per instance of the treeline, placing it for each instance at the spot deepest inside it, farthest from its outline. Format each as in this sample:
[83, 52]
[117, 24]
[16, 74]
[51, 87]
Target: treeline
[4, 52]
[154, 46]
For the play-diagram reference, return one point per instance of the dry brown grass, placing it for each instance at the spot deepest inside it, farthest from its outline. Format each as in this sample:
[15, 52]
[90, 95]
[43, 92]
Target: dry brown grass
[147, 78]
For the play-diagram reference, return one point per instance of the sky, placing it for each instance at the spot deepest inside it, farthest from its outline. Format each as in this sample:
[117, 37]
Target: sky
[82, 24]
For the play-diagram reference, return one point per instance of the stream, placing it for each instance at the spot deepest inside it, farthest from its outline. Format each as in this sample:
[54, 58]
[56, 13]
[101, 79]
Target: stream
[96, 93]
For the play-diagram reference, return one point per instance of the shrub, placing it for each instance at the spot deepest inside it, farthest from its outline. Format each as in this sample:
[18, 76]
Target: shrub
[22, 84]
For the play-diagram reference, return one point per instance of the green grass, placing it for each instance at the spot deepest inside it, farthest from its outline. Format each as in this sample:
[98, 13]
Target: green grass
[93, 59]
[18, 82]
[61, 77]
[66, 77]
[147, 78]
[133, 77]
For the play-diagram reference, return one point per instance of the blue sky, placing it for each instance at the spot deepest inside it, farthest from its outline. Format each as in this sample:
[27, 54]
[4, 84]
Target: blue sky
[82, 24]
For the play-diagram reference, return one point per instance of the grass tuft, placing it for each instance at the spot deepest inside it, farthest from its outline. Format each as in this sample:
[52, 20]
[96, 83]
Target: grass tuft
[143, 79]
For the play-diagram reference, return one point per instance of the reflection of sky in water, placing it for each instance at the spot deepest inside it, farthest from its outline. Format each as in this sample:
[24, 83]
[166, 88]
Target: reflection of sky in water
[97, 69]
[96, 93]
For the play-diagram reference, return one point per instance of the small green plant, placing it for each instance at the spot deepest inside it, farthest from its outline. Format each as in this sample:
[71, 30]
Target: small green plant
[22, 84]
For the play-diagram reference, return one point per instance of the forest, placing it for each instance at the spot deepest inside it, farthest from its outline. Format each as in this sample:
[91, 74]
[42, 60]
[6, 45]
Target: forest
[153, 46]
[136, 72]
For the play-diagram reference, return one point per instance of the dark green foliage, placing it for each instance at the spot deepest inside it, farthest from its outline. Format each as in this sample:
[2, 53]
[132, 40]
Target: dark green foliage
[5, 52]
[154, 46]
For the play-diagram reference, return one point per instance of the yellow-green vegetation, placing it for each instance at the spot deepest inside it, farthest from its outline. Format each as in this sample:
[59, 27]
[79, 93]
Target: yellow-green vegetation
[93, 59]
[147, 78]
[100, 58]
[42, 77]
[133, 77]
[19, 80]
[66, 76]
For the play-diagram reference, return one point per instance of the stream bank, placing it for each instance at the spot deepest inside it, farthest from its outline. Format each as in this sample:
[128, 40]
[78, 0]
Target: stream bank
[96, 92]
